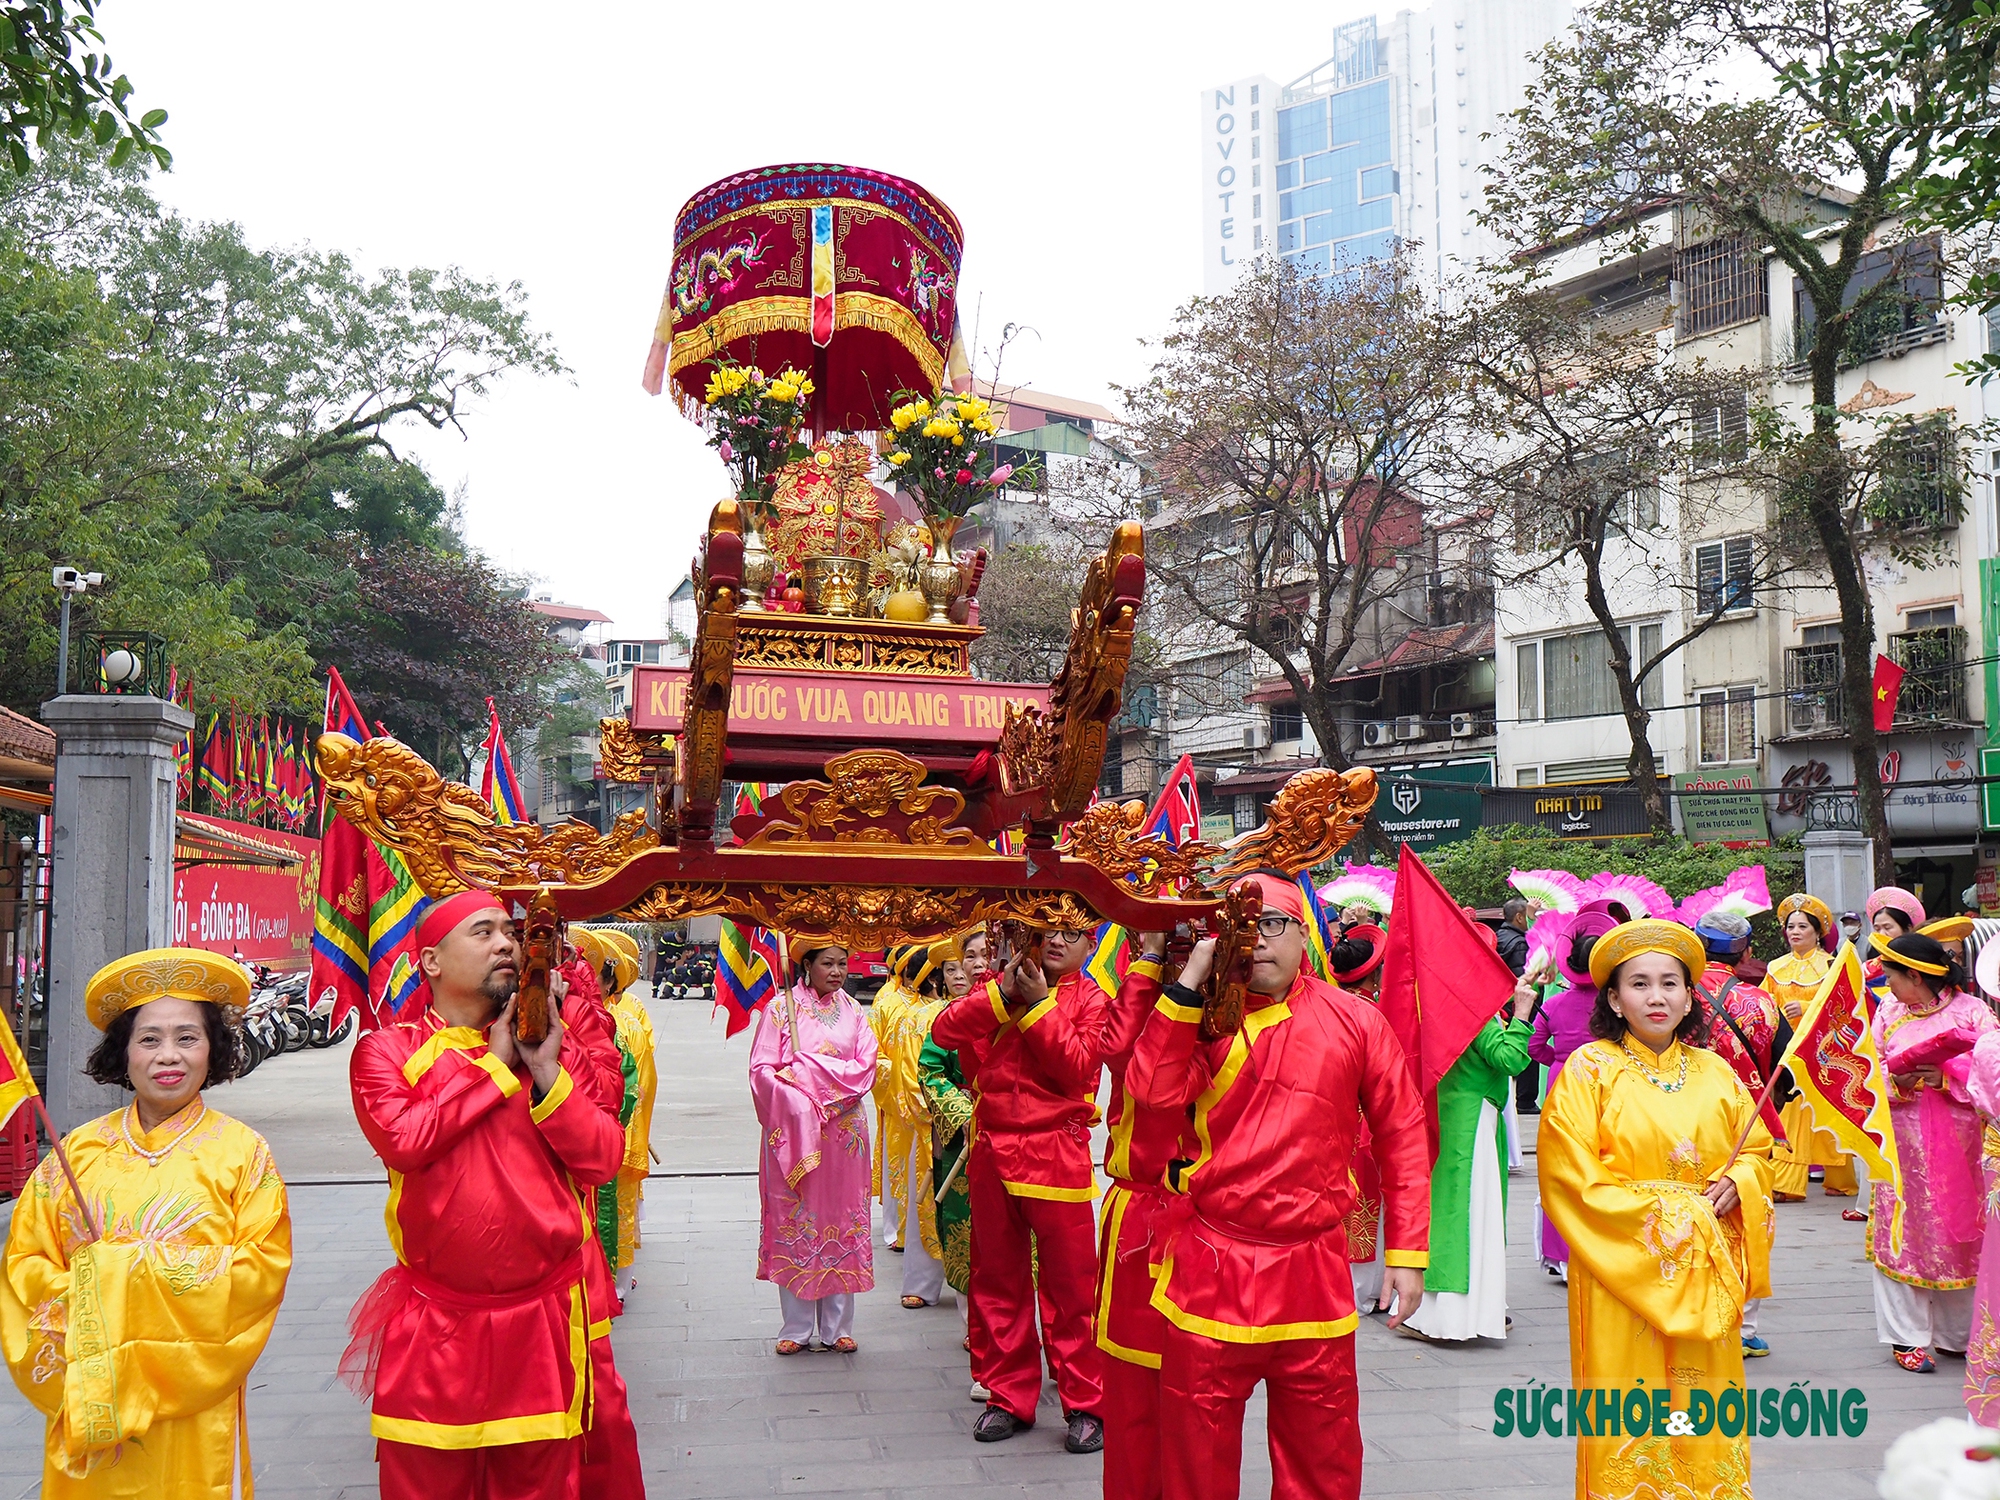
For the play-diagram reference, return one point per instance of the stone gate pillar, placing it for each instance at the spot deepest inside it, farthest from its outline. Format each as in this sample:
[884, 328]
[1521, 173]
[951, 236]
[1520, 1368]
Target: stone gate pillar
[112, 884]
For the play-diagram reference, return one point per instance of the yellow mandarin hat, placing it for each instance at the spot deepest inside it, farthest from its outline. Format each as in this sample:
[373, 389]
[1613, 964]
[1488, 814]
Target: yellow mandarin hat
[163, 974]
[1812, 906]
[1887, 949]
[799, 947]
[1948, 929]
[592, 946]
[949, 950]
[1647, 935]
[623, 941]
[624, 969]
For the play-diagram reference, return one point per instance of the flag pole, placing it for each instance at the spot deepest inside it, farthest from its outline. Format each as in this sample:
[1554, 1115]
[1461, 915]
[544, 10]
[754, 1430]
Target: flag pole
[62, 1157]
[1751, 1124]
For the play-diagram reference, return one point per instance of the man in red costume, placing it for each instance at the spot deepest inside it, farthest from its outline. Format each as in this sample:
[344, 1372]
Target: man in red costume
[1039, 1034]
[476, 1345]
[611, 1458]
[1252, 1263]
[1141, 1154]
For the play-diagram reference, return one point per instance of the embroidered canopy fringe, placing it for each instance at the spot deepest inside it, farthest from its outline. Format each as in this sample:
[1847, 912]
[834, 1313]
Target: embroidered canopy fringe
[761, 315]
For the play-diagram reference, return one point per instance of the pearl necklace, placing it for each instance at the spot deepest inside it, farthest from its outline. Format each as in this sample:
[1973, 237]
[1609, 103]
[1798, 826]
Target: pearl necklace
[1653, 1075]
[154, 1158]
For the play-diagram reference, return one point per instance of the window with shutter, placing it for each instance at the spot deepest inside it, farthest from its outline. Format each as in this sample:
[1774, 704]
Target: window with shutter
[1721, 430]
[1724, 574]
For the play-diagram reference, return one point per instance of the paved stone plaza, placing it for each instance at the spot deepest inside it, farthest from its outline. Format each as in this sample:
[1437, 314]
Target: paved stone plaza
[720, 1415]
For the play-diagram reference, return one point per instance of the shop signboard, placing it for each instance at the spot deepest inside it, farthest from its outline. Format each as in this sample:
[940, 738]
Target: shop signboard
[1722, 807]
[263, 915]
[1414, 809]
[1599, 810]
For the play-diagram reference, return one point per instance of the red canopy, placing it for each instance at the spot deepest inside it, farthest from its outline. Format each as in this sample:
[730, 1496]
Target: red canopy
[846, 273]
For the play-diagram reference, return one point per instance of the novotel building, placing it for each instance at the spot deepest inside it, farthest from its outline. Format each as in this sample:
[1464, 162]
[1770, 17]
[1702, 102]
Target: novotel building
[1382, 141]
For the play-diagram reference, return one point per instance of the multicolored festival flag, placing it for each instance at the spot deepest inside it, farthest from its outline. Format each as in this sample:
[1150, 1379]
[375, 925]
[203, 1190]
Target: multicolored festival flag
[215, 766]
[1834, 1062]
[368, 903]
[17, 1084]
[745, 978]
[498, 786]
[1175, 817]
[1441, 980]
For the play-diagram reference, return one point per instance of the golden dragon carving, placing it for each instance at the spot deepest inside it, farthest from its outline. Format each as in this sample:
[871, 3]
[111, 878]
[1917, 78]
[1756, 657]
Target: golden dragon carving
[1314, 815]
[446, 833]
[870, 797]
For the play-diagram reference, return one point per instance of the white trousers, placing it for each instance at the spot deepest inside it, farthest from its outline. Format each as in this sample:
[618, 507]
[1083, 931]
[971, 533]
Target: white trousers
[832, 1316]
[1750, 1306]
[1515, 1161]
[1367, 1284]
[1919, 1318]
[1480, 1311]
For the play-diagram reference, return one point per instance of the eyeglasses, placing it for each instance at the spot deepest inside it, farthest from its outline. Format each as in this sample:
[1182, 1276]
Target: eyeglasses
[1071, 934]
[1272, 927]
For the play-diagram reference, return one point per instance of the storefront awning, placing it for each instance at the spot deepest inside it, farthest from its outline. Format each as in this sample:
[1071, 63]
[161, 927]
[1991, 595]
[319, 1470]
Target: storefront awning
[1428, 646]
[207, 841]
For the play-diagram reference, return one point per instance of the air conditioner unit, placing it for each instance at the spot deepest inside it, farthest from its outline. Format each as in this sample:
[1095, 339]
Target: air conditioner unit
[1412, 727]
[1257, 737]
[1464, 726]
[1379, 733]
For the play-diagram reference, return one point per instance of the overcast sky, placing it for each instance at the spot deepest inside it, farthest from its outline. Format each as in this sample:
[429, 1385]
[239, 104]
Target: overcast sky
[554, 145]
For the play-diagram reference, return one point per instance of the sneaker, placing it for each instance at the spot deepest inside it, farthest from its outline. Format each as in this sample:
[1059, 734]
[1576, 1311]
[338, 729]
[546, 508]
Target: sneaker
[1086, 1434]
[980, 1395]
[1754, 1347]
[996, 1425]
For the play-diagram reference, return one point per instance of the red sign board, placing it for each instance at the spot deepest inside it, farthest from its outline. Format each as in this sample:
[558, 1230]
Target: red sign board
[843, 706]
[265, 916]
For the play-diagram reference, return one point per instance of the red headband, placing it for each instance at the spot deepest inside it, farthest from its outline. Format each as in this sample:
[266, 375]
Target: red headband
[443, 917]
[1284, 895]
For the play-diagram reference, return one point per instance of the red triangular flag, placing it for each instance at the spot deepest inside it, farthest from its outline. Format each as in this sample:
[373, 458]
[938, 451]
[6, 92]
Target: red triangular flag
[1441, 981]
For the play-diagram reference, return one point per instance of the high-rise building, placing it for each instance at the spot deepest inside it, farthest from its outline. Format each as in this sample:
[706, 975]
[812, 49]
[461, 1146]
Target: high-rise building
[1382, 141]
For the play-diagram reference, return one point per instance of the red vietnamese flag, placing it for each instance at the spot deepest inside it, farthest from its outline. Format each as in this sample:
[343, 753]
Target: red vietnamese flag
[1888, 685]
[1441, 980]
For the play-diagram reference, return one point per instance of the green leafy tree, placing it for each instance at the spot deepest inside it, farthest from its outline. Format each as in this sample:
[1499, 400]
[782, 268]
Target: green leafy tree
[1632, 112]
[56, 80]
[1960, 191]
[213, 426]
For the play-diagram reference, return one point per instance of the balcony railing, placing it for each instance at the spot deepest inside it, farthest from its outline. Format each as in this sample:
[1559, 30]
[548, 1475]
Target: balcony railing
[1812, 689]
[1934, 688]
[1933, 691]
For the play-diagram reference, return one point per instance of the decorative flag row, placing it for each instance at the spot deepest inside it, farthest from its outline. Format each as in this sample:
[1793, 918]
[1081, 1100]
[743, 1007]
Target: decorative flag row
[251, 771]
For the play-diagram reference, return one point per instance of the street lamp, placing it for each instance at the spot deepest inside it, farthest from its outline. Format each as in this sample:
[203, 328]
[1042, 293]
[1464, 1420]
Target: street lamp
[69, 582]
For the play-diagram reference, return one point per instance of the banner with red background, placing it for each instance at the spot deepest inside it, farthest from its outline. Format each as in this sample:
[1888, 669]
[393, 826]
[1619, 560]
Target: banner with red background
[262, 914]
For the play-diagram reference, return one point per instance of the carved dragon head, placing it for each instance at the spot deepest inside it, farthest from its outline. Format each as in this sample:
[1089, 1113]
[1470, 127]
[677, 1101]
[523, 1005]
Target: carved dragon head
[1314, 814]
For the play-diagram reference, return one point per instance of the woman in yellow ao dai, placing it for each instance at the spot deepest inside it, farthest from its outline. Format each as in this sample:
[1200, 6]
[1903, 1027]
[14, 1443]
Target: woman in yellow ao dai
[1665, 1244]
[136, 1345]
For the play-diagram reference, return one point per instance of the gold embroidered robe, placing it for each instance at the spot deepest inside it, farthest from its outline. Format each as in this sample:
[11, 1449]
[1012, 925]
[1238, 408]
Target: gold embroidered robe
[136, 1347]
[635, 1034]
[1657, 1280]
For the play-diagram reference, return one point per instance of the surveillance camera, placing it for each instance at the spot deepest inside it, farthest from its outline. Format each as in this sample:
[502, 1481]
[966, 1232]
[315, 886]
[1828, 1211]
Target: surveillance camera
[93, 579]
[64, 578]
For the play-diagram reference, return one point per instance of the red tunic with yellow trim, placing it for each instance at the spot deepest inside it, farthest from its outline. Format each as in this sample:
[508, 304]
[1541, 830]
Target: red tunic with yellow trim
[1259, 1253]
[484, 1321]
[1036, 1090]
[1142, 1144]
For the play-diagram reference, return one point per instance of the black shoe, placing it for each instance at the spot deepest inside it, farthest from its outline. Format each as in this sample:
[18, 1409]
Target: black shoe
[996, 1425]
[1086, 1434]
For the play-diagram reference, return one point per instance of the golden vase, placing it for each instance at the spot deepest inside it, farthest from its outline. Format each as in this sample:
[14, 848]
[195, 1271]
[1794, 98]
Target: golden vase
[758, 561]
[833, 584]
[938, 575]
